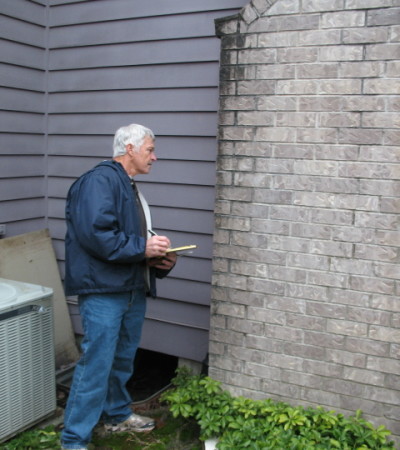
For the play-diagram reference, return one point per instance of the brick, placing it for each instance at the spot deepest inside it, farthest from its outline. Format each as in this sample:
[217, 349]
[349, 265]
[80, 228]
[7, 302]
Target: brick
[387, 270]
[264, 344]
[296, 119]
[308, 261]
[380, 120]
[261, 118]
[270, 165]
[238, 103]
[285, 304]
[275, 134]
[255, 87]
[351, 234]
[298, 54]
[234, 223]
[341, 53]
[382, 86]
[322, 37]
[341, 249]
[322, 5]
[231, 193]
[307, 292]
[305, 351]
[343, 19]
[390, 16]
[385, 334]
[324, 339]
[238, 379]
[391, 137]
[369, 170]
[360, 136]
[385, 302]
[376, 220]
[236, 133]
[338, 87]
[364, 4]
[288, 87]
[257, 56]
[347, 358]
[369, 316]
[352, 266]
[325, 103]
[272, 103]
[266, 316]
[290, 151]
[275, 71]
[335, 119]
[311, 231]
[368, 69]
[284, 7]
[318, 70]
[249, 239]
[270, 226]
[225, 308]
[332, 217]
[289, 213]
[320, 135]
[266, 286]
[373, 285]
[272, 196]
[328, 279]
[393, 67]
[278, 39]
[288, 23]
[249, 210]
[257, 149]
[384, 365]
[365, 35]
[376, 252]
[388, 188]
[367, 346]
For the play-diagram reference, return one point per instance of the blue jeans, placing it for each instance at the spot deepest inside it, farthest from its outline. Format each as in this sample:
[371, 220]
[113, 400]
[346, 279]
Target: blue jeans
[112, 325]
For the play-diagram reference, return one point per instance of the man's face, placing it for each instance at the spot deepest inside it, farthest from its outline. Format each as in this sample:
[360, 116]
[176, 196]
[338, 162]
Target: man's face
[142, 159]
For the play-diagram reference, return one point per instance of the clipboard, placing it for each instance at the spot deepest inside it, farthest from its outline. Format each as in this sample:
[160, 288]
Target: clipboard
[184, 248]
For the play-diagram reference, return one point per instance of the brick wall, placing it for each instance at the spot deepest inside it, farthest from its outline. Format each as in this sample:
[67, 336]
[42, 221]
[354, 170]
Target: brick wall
[305, 305]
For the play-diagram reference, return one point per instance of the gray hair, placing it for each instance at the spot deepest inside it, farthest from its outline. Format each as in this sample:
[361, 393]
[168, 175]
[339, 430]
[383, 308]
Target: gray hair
[131, 134]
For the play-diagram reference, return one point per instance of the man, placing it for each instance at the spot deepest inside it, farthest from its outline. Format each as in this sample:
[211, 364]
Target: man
[111, 264]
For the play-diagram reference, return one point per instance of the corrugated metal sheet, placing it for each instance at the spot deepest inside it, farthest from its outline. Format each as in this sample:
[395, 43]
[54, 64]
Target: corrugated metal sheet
[110, 63]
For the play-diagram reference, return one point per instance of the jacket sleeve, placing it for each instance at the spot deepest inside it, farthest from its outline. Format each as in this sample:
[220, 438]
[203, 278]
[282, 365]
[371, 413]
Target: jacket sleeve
[95, 210]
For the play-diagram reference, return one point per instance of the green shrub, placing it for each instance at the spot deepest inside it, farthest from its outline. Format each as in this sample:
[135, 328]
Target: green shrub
[242, 423]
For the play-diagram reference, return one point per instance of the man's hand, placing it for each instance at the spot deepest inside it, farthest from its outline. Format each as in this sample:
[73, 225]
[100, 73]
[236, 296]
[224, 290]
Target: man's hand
[156, 246]
[166, 262]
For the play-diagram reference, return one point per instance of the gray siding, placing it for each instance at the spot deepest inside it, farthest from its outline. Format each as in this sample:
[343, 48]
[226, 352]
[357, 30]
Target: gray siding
[110, 63]
[22, 116]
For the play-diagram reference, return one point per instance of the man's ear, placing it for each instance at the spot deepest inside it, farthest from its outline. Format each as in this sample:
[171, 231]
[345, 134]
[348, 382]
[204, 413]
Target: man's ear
[129, 148]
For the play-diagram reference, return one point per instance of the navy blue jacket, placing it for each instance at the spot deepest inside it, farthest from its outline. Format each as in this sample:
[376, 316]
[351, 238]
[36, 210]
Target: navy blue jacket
[104, 247]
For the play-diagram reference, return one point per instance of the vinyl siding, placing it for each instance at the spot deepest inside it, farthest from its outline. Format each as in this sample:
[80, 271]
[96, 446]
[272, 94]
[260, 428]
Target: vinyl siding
[22, 116]
[114, 62]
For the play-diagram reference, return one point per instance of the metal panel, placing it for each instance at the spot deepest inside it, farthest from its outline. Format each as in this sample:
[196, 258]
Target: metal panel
[164, 76]
[22, 77]
[22, 55]
[22, 31]
[24, 10]
[180, 123]
[141, 29]
[200, 99]
[136, 53]
[85, 12]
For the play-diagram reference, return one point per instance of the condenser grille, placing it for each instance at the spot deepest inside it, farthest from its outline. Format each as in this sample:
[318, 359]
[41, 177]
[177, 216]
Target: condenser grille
[27, 373]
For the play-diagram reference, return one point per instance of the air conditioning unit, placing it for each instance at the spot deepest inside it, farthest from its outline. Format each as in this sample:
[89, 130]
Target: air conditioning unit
[27, 362]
